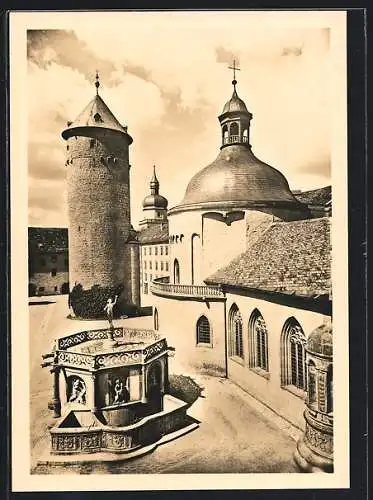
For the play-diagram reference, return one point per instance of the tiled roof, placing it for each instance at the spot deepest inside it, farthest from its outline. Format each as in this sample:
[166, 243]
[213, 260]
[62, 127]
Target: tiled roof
[290, 258]
[48, 239]
[156, 233]
[319, 197]
[95, 114]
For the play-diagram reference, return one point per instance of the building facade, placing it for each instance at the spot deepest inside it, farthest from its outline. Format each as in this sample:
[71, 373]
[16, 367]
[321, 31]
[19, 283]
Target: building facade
[48, 261]
[249, 273]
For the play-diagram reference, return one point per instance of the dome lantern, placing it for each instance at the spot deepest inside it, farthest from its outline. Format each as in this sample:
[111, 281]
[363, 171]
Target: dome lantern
[235, 118]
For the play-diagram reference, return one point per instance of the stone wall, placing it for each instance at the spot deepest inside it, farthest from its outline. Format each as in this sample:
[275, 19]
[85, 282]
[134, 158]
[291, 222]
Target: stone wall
[177, 322]
[51, 284]
[99, 210]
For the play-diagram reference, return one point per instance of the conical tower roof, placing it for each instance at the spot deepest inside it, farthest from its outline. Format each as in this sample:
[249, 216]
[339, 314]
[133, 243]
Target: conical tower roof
[97, 115]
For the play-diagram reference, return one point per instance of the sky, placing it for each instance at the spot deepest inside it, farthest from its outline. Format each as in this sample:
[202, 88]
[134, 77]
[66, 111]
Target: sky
[166, 76]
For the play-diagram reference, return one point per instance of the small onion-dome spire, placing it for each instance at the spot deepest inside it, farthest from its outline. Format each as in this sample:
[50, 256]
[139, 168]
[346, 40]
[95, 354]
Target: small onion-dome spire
[154, 201]
[154, 183]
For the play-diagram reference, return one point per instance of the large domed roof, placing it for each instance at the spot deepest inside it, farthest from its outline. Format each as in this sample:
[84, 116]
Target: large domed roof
[237, 178]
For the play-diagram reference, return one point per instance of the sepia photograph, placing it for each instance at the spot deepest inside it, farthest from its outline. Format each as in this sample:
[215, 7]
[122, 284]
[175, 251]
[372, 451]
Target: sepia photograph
[179, 250]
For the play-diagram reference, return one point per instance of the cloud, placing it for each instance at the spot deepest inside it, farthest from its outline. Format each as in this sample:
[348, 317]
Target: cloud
[166, 76]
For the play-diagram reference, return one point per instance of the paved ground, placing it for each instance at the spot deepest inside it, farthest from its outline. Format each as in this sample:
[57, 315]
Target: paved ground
[236, 433]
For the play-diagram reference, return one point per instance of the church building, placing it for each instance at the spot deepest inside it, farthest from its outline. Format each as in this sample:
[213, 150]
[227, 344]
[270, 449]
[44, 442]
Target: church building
[249, 273]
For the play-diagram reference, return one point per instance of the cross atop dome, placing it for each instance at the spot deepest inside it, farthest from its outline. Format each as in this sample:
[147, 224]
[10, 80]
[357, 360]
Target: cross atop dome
[234, 68]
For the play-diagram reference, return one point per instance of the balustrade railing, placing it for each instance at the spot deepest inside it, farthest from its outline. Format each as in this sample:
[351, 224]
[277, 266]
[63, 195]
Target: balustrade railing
[159, 287]
[231, 139]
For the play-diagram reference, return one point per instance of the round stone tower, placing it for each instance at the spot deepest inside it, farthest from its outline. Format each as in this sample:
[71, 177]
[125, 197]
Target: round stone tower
[98, 183]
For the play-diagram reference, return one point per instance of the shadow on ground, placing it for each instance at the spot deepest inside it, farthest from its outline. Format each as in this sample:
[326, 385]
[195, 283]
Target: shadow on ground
[185, 388]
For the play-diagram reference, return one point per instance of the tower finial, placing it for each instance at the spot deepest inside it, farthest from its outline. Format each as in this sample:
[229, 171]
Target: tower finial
[234, 68]
[97, 82]
[154, 183]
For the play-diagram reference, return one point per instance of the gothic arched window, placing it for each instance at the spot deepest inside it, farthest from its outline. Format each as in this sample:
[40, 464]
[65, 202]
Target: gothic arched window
[203, 331]
[293, 355]
[235, 333]
[258, 341]
[176, 272]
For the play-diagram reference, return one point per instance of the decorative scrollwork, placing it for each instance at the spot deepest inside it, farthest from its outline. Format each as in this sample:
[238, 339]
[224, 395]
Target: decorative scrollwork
[118, 358]
[67, 358]
[154, 349]
[319, 440]
[71, 340]
[116, 441]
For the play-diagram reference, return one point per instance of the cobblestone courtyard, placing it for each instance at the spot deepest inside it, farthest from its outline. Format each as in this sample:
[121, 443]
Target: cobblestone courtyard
[236, 433]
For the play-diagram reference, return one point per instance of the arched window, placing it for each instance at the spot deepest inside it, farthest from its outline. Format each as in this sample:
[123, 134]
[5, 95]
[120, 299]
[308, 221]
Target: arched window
[225, 134]
[245, 136]
[176, 271]
[234, 132]
[203, 331]
[258, 341]
[235, 332]
[156, 319]
[293, 355]
[312, 387]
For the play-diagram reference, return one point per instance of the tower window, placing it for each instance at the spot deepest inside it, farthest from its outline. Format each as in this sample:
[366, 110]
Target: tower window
[53, 272]
[97, 117]
[225, 135]
[203, 331]
[233, 132]
[258, 341]
[156, 319]
[92, 143]
[293, 355]
[176, 271]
